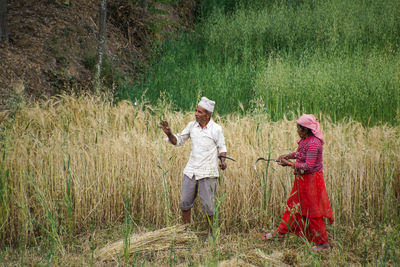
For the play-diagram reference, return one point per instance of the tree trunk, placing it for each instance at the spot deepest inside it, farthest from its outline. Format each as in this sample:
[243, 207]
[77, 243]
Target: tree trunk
[3, 21]
[144, 4]
[101, 44]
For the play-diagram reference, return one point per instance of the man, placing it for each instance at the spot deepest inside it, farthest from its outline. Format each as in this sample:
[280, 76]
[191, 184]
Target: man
[201, 171]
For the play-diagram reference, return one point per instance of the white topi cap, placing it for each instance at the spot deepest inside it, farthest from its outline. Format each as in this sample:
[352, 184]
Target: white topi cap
[207, 104]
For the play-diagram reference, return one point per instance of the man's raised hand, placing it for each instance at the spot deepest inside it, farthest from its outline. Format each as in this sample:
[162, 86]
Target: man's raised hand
[165, 127]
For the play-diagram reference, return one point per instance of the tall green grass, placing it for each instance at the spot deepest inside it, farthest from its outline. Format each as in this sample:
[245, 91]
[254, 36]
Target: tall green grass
[337, 57]
[365, 87]
[337, 27]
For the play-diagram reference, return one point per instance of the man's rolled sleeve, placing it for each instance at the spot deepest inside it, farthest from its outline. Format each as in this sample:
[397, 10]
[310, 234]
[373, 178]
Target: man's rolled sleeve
[182, 137]
[221, 142]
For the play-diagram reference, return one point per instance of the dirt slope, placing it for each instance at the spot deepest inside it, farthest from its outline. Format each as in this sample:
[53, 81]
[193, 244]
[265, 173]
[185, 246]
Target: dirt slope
[53, 43]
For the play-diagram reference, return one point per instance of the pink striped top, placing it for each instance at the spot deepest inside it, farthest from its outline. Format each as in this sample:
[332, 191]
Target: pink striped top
[308, 156]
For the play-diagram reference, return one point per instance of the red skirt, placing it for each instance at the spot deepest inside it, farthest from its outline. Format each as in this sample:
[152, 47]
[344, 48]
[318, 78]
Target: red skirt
[306, 207]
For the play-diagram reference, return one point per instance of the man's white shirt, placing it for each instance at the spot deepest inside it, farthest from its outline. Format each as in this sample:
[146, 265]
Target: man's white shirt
[207, 144]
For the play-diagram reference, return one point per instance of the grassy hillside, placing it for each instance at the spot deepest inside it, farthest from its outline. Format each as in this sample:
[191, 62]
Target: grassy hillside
[53, 44]
[338, 57]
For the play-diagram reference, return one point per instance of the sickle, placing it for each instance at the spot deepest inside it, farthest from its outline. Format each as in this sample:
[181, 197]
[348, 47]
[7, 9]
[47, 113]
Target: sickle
[225, 157]
[264, 159]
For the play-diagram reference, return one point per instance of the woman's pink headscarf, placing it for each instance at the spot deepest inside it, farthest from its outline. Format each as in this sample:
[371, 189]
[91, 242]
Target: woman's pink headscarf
[311, 122]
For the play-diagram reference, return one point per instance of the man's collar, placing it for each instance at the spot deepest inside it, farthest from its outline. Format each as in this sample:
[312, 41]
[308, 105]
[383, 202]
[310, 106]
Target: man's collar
[210, 122]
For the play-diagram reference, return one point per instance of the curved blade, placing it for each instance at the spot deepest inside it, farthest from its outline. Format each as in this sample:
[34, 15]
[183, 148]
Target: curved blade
[264, 159]
[225, 157]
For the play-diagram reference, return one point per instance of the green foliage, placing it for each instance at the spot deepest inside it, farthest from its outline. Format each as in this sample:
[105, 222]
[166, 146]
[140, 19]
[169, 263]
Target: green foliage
[208, 7]
[362, 86]
[4, 193]
[317, 56]
[334, 27]
[61, 81]
[109, 74]
[69, 205]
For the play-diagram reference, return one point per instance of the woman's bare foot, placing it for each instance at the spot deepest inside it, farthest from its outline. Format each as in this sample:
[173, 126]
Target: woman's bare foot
[273, 236]
[319, 247]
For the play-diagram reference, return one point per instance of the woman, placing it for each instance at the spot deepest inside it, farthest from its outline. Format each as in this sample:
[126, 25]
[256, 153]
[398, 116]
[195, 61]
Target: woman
[308, 203]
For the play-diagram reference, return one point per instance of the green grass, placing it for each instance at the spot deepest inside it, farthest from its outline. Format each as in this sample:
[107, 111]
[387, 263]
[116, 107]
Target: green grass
[361, 245]
[335, 57]
[365, 87]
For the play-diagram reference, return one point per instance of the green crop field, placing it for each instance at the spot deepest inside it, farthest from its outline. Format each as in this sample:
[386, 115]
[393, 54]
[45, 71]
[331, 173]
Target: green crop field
[339, 58]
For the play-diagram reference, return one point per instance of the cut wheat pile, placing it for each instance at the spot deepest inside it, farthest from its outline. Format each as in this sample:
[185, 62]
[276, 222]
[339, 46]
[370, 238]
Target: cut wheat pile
[174, 236]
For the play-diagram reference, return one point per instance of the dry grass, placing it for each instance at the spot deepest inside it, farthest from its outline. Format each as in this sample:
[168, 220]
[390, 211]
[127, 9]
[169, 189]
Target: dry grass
[354, 248]
[73, 162]
[170, 237]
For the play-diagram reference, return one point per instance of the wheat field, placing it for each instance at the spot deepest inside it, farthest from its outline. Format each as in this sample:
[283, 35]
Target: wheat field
[71, 162]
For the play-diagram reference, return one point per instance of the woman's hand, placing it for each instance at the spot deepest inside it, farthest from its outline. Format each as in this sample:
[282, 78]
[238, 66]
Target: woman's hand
[285, 162]
[282, 161]
[283, 157]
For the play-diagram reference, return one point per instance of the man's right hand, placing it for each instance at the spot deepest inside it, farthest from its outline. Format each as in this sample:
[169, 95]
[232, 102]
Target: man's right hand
[165, 127]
